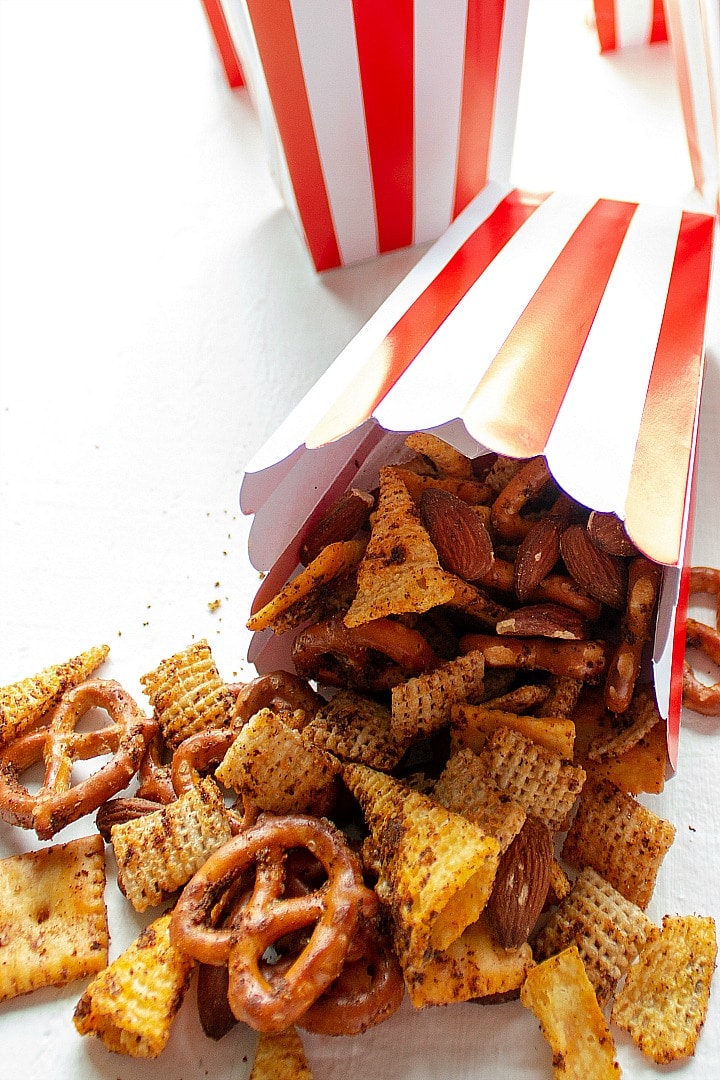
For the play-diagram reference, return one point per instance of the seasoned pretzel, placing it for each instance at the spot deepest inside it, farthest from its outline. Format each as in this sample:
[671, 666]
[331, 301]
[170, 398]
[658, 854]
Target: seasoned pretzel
[505, 515]
[57, 803]
[368, 990]
[340, 656]
[701, 697]
[279, 690]
[624, 667]
[273, 1003]
[195, 756]
[155, 782]
[586, 660]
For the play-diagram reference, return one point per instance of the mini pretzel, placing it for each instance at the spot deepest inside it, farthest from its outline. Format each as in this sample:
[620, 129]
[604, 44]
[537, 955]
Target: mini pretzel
[273, 1002]
[57, 803]
[278, 690]
[701, 697]
[368, 990]
[154, 778]
[340, 656]
[505, 515]
[624, 667]
[195, 756]
[584, 660]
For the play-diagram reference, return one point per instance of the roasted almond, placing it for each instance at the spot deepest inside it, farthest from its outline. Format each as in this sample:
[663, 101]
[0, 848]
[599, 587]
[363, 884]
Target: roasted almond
[339, 522]
[537, 555]
[544, 620]
[608, 533]
[214, 1012]
[603, 576]
[521, 884]
[118, 811]
[458, 534]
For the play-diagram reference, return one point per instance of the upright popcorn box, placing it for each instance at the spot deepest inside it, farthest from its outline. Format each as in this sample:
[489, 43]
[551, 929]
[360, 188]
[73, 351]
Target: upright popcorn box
[622, 24]
[567, 327]
[381, 121]
[694, 27]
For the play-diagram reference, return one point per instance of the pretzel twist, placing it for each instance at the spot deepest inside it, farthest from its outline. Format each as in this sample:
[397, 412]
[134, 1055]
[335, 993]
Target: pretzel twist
[368, 990]
[702, 697]
[58, 802]
[271, 1002]
[339, 655]
[279, 690]
[624, 667]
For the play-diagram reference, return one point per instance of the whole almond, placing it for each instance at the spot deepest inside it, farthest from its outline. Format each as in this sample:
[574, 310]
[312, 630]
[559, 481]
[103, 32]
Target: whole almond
[118, 811]
[459, 535]
[339, 522]
[603, 576]
[214, 1012]
[537, 555]
[544, 620]
[521, 884]
[608, 533]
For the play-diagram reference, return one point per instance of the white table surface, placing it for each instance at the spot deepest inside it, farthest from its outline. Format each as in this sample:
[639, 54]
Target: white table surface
[158, 318]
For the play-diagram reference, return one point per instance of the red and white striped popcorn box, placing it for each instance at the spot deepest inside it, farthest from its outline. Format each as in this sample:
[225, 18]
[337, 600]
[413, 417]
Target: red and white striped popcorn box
[622, 24]
[381, 121]
[694, 27]
[570, 327]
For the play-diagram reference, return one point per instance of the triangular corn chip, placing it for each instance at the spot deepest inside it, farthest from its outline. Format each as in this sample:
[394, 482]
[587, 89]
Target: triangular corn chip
[437, 868]
[130, 1006]
[280, 1056]
[400, 571]
[25, 702]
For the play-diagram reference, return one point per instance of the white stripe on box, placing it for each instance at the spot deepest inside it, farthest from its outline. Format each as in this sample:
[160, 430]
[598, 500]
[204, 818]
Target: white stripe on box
[601, 414]
[327, 44]
[439, 50]
[240, 26]
[699, 25]
[633, 22]
[507, 90]
[447, 370]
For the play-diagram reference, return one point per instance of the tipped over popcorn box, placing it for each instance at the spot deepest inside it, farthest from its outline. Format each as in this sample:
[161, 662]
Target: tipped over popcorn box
[562, 330]
[381, 121]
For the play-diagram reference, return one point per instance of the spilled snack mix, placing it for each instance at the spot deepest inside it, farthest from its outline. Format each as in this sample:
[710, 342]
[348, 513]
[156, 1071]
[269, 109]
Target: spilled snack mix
[440, 801]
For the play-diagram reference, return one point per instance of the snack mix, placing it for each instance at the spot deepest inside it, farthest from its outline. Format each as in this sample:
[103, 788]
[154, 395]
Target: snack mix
[438, 801]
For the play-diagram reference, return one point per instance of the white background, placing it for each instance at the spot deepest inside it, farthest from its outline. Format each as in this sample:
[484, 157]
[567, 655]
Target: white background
[158, 318]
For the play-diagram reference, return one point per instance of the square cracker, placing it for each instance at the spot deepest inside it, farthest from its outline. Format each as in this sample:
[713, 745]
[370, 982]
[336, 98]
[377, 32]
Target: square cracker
[620, 838]
[664, 1001]
[53, 921]
[559, 992]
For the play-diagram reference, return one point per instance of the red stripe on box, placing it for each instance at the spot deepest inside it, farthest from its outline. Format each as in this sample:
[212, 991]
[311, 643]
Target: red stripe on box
[605, 24]
[482, 54]
[385, 53]
[516, 403]
[658, 30]
[659, 476]
[224, 42]
[277, 43]
[423, 318]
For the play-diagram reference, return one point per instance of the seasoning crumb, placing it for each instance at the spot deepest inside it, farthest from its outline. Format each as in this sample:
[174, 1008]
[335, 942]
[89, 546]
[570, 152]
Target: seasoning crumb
[214, 604]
